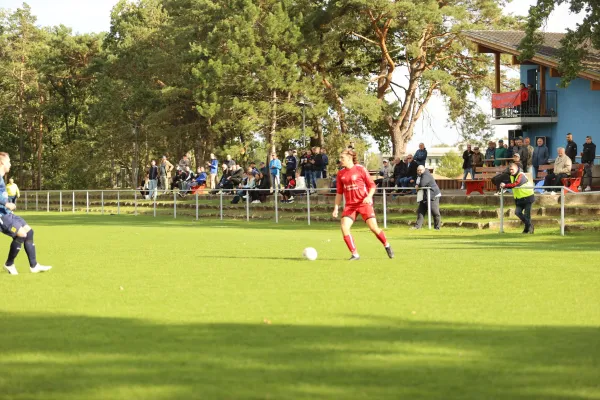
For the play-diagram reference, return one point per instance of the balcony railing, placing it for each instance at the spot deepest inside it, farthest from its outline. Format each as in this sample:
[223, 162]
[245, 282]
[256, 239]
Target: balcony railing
[539, 104]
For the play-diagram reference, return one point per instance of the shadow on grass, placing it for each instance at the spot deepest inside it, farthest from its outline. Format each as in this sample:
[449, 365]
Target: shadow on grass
[73, 357]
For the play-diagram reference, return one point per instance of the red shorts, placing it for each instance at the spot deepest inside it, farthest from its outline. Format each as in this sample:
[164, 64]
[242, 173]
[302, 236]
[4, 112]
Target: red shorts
[365, 210]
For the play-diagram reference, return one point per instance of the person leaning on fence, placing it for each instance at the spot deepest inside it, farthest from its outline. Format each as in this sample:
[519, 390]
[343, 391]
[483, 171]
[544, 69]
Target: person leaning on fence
[524, 196]
[587, 159]
[13, 191]
[424, 179]
[562, 169]
[504, 177]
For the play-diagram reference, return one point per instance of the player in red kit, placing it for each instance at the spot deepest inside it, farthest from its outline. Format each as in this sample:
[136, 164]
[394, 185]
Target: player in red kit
[355, 183]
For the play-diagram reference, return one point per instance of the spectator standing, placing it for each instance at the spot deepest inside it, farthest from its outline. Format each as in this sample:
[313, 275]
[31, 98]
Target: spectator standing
[184, 162]
[510, 148]
[295, 154]
[399, 170]
[318, 163]
[500, 153]
[152, 180]
[424, 180]
[275, 169]
[325, 162]
[533, 100]
[524, 99]
[467, 165]
[529, 147]
[421, 155]
[477, 159]
[490, 153]
[311, 182]
[290, 164]
[213, 170]
[523, 194]
[540, 157]
[230, 162]
[587, 158]
[165, 174]
[12, 190]
[571, 149]
[520, 149]
[562, 169]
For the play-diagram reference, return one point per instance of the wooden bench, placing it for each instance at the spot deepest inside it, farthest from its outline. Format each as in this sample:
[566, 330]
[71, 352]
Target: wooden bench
[542, 171]
[483, 179]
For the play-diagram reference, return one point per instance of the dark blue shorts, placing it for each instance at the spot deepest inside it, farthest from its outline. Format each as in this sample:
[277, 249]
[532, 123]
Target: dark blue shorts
[10, 224]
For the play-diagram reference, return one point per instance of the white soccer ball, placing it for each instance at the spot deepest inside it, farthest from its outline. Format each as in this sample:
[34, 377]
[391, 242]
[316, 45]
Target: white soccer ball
[310, 253]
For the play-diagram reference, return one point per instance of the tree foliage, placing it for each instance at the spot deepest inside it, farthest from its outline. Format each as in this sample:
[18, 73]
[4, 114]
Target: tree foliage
[576, 44]
[450, 165]
[227, 77]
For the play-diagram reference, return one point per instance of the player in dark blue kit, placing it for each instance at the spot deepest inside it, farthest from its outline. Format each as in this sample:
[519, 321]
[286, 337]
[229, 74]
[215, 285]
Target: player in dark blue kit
[15, 227]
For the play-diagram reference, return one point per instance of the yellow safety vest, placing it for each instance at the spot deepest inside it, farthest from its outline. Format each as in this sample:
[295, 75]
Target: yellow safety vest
[520, 192]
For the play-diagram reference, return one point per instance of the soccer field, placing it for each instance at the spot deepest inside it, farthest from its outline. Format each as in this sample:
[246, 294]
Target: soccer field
[143, 308]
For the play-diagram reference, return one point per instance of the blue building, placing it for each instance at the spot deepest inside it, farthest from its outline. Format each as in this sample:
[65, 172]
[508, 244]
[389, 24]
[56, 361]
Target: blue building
[550, 111]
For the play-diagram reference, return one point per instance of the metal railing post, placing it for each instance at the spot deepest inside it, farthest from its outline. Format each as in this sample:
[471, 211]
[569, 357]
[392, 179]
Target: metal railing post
[154, 207]
[135, 202]
[196, 206]
[384, 210]
[25, 201]
[87, 202]
[221, 204]
[73, 207]
[36, 201]
[501, 210]
[118, 202]
[248, 205]
[429, 208]
[102, 202]
[48, 202]
[174, 205]
[60, 201]
[308, 203]
[276, 195]
[562, 211]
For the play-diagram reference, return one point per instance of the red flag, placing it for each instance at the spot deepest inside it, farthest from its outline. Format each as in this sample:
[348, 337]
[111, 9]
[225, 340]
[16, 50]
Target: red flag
[506, 100]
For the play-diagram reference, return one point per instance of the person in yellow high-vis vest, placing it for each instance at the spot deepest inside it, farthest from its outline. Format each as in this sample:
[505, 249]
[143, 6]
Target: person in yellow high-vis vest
[524, 196]
[13, 191]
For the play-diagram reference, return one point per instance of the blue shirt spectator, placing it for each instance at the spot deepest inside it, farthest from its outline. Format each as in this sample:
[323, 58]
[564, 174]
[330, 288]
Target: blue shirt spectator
[275, 165]
[420, 155]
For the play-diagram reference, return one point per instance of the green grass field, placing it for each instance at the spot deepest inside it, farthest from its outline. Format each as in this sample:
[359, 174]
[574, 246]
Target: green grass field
[144, 308]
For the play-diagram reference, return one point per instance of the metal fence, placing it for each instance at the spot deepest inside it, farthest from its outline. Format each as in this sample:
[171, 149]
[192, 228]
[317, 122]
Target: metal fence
[134, 202]
[172, 204]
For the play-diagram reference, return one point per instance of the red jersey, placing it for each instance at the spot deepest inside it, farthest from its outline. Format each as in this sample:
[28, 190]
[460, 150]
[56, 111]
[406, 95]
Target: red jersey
[354, 183]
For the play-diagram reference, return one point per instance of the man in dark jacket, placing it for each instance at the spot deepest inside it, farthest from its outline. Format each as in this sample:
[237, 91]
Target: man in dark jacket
[421, 155]
[411, 174]
[587, 158]
[399, 170]
[467, 164]
[522, 151]
[571, 148]
[290, 165]
[540, 157]
[424, 180]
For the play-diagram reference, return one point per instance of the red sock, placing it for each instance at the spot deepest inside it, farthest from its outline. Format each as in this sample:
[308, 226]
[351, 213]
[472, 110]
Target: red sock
[382, 238]
[350, 243]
